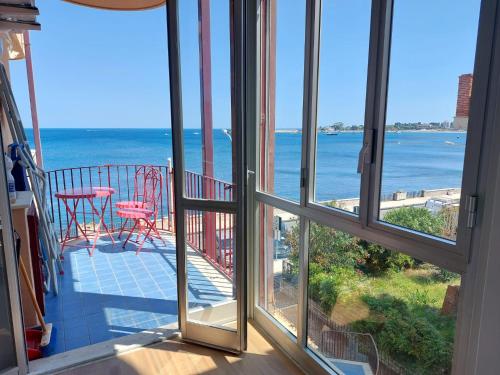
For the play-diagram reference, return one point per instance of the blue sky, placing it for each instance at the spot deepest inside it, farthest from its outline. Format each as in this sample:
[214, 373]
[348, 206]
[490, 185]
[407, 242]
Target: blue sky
[98, 68]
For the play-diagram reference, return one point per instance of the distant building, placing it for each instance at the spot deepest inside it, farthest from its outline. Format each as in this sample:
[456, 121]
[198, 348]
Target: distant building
[463, 101]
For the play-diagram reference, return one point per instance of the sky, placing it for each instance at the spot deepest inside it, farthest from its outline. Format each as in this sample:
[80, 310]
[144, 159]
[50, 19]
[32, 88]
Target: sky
[103, 69]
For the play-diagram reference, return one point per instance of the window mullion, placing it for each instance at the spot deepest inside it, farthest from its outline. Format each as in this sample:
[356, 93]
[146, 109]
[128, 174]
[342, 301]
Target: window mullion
[310, 95]
[303, 282]
[376, 97]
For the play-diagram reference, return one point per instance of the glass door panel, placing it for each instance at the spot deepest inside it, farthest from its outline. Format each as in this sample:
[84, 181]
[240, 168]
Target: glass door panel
[208, 154]
[210, 254]
[205, 64]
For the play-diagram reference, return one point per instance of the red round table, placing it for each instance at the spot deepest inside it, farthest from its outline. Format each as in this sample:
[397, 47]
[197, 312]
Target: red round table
[81, 194]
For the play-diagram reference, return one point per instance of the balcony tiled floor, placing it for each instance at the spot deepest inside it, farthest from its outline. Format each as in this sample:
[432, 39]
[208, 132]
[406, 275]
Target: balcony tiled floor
[116, 293]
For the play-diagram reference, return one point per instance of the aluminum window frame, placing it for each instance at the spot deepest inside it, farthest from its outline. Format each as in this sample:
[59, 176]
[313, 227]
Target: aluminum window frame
[198, 332]
[375, 133]
[452, 255]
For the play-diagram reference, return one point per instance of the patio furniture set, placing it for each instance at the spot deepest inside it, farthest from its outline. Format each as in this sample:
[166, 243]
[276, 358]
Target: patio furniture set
[141, 211]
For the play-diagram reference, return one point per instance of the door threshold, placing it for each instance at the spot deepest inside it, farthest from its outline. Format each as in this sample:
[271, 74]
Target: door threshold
[102, 350]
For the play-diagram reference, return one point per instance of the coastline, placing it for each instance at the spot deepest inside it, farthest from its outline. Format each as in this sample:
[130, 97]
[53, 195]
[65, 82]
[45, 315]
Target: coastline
[444, 131]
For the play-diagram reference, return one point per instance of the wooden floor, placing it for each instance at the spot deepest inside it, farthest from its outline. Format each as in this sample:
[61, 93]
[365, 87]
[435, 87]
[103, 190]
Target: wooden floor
[174, 357]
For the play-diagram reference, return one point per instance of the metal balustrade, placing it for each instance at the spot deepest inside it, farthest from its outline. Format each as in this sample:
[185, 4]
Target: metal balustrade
[212, 234]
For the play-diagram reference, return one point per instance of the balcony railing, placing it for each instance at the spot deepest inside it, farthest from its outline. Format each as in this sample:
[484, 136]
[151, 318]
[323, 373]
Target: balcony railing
[209, 233]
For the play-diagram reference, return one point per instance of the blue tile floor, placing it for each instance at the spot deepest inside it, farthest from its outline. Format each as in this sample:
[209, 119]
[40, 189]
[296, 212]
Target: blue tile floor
[116, 293]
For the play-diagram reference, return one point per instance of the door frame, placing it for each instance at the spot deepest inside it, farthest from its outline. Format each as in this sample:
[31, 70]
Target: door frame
[234, 341]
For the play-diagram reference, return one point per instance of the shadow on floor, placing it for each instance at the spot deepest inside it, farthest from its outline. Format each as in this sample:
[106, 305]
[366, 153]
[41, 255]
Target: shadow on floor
[116, 292]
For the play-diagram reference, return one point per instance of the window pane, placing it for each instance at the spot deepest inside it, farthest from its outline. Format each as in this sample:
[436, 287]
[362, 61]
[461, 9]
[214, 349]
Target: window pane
[371, 307]
[430, 82]
[282, 67]
[210, 258]
[278, 280]
[345, 33]
[206, 99]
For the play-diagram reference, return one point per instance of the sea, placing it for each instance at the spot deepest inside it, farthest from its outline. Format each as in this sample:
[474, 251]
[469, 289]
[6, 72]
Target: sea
[412, 160]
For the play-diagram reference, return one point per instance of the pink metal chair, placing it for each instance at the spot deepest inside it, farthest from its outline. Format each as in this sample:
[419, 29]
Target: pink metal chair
[138, 200]
[144, 213]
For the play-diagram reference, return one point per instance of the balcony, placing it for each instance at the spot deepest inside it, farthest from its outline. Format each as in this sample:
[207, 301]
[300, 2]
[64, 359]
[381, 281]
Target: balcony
[115, 292]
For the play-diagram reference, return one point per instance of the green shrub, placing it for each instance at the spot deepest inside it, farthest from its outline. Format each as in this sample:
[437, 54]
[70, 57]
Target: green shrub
[368, 325]
[421, 342]
[325, 288]
[328, 246]
[316, 277]
[415, 339]
[446, 276]
[380, 259]
[385, 302]
[328, 293]
[416, 218]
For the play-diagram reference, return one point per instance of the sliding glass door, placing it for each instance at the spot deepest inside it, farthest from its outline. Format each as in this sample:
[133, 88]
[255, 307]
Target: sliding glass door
[370, 115]
[205, 60]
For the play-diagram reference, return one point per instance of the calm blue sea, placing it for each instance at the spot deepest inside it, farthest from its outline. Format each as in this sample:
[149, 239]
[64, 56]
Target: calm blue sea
[412, 161]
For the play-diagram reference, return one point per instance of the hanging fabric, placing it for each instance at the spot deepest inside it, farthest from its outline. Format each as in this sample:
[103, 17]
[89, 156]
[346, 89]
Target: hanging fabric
[13, 43]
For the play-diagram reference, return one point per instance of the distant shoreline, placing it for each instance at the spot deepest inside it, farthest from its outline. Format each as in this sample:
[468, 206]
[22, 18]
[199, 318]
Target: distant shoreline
[444, 131]
[279, 131]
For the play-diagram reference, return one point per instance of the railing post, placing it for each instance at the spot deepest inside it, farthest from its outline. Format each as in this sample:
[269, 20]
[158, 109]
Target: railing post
[170, 197]
[110, 203]
[170, 193]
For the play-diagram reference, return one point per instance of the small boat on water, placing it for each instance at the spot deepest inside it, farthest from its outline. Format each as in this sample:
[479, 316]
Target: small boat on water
[449, 143]
[227, 132]
[331, 132]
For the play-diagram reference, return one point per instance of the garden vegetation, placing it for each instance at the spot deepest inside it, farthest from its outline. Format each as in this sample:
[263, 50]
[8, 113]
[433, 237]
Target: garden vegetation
[395, 297]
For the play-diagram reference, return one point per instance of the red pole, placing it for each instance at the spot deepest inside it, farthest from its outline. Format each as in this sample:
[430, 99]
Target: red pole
[206, 87]
[206, 120]
[31, 89]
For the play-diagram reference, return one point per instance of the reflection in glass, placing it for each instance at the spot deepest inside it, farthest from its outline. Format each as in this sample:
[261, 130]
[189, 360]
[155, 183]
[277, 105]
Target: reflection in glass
[278, 267]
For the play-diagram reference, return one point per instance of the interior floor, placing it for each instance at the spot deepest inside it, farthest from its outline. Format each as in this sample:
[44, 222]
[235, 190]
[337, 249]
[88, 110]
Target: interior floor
[175, 357]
